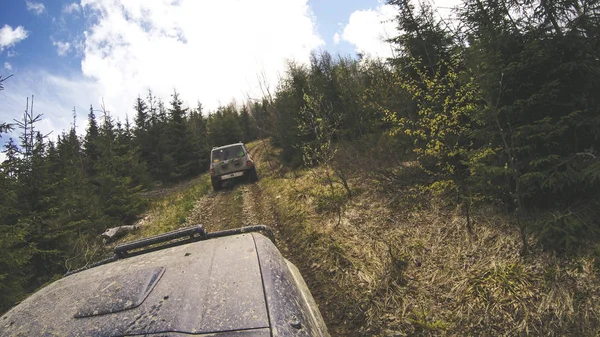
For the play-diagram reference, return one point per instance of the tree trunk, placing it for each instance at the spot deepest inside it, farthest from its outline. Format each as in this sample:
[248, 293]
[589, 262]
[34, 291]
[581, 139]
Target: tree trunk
[342, 175]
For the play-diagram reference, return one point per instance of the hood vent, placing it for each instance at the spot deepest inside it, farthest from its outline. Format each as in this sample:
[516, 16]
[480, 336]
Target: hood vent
[120, 292]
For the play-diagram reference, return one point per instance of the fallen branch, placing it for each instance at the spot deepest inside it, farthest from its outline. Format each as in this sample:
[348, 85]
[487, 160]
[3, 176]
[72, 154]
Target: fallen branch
[112, 234]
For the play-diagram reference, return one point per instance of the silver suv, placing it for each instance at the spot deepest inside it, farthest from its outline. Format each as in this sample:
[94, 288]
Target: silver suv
[230, 283]
[230, 162]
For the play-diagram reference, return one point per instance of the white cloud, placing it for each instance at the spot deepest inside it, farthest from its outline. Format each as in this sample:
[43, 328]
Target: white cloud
[54, 97]
[11, 53]
[7, 66]
[212, 51]
[368, 29]
[71, 8]
[36, 8]
[336, 38]
[62, 47]
[9, 36]
[209, 51]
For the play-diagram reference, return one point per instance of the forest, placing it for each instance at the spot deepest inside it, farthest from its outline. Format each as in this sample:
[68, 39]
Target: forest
[497, 108]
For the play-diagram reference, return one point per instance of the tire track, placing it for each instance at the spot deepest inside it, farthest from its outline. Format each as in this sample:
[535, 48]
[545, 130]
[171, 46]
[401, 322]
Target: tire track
[218, 211]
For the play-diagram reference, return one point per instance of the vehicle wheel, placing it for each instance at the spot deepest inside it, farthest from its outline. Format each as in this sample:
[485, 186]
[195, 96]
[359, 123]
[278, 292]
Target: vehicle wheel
[252, 175]
[216, 184]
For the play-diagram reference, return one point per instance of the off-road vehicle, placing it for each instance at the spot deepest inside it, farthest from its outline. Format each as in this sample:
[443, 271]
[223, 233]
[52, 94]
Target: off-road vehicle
[182, 283]
[230, 162]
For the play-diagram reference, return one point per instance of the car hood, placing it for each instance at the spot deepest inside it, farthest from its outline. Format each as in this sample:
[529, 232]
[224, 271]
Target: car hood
[204, 287]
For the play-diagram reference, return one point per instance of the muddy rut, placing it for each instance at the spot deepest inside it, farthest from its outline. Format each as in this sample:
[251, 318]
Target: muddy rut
[236, 206]
[245, 204]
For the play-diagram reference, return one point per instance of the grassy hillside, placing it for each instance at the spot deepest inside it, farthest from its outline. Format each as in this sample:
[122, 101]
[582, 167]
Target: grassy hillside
[393, 266]
[387, 265]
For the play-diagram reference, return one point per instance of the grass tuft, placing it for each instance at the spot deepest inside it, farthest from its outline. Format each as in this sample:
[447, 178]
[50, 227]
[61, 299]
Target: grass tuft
[169, 212]
[390, 268]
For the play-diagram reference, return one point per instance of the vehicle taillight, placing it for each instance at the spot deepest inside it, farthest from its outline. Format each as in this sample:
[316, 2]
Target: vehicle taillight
[212, 172]
[249, 163]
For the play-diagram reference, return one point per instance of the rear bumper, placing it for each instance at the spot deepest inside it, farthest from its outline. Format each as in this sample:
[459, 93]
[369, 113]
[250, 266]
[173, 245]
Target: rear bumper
[231, 175]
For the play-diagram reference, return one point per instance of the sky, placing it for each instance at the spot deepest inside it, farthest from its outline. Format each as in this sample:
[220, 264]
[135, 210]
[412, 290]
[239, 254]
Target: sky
[70, 54]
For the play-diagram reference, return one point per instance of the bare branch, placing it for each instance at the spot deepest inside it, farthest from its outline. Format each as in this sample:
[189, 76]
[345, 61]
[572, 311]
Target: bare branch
[2, 81]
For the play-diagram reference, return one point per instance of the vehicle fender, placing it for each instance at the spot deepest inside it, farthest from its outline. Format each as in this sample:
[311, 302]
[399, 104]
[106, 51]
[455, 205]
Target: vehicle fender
[291, 308]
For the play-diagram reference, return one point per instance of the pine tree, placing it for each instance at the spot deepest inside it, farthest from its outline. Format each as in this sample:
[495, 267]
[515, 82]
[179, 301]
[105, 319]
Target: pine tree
[141, 117]
[284, 113]
[179, 142]
[165, 164]
[200, 146]
[14, 251]
[247, 129]
[422, 39]
[90, 143]
[5, 127]
[540, 117]
[11, 164]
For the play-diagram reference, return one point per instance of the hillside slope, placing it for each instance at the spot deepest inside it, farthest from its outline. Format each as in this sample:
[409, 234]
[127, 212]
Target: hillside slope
[380, 268]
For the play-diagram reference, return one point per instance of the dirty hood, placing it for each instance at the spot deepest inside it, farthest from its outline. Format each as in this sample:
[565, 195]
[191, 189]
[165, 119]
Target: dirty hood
[207, 287]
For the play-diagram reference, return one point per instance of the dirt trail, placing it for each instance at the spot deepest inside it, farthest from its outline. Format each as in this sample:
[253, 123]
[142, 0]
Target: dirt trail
[217, 211]
[240, 205]
[244, 204]
[259, 210]
[237, 205]
[388, 271]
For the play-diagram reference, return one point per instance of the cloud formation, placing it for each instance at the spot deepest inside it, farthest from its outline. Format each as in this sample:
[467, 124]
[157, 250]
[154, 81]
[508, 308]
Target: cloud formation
[54, 97]
[211, 51]
[36, 8]
[71, 8]
[62, 48]
[336, 38]
[368, 29]
[9, 36]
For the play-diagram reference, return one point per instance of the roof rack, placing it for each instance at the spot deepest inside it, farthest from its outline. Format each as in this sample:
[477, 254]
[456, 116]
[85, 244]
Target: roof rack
[151, 244]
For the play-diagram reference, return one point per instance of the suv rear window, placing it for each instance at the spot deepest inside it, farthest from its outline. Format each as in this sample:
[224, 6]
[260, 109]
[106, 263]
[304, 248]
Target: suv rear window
[227, 153]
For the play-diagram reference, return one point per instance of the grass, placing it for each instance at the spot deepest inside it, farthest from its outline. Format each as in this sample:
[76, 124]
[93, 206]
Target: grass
[169, 212]
[388, 269]
[391, 269]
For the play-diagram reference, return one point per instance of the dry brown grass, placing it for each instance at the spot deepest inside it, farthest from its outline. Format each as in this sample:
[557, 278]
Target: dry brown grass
[386, 270]
[392, 269]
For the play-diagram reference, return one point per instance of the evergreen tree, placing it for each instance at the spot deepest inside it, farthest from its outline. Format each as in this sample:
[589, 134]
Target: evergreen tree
[141, 117]
[165, 164]
[247, 129]
[90, 142]
[540, 112]
[179, 142]
[198, 130]
[422, 39]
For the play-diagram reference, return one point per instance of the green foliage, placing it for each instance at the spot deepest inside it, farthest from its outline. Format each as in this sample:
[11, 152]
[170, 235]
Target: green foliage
[345, 88]
[504, 110]
[178, 140]
[509, 117]
[445, 103]
[5, 127]
[224, 126]
[539, 117]
[58, 197]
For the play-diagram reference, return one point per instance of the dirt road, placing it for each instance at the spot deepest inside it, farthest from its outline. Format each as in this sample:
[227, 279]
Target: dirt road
[244, 204]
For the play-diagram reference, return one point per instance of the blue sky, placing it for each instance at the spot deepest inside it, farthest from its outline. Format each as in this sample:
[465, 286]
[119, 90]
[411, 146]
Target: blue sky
[71, 54]
[52, 25]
